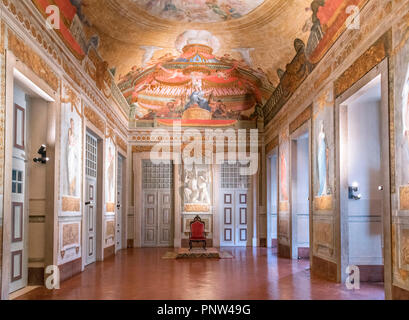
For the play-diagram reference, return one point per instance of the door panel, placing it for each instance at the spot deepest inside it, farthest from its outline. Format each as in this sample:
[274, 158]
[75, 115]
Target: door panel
[91, 198]
[118, 240]
[157, 229]
[18, 250]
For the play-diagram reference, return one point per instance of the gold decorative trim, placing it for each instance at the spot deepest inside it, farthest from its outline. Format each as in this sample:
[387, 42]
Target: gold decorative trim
[324, 203]
[301, 119]
[110, 207]
[196, 208]
[94, 118]
[71, 204]
[30, 58]
[366, 62]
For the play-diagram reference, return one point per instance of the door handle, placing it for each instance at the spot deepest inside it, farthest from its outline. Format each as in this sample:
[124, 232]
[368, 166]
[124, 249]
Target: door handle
[89, 203]
[380, 188]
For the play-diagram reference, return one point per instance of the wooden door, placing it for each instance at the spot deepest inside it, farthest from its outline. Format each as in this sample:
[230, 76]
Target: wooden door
[241, 218]
[18, 276]
[91, 197]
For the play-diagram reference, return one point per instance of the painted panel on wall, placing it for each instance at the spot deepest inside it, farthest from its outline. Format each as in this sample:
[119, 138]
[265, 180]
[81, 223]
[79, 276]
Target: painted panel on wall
[110, 175]
[323, 173]
[284, 205]
[71, 150]
[400, 201]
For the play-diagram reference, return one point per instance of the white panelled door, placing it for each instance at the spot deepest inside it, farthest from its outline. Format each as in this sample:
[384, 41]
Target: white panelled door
[91, 169]
[18, 276]
[234, 206]
[118, 237]
[157, 207]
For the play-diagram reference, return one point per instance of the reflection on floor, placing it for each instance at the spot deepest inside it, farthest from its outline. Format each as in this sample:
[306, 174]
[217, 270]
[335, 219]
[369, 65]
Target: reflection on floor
[253, 274]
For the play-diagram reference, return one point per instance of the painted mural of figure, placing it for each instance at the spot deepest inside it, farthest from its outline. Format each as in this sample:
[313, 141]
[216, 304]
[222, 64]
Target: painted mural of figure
[197, 98]
[322, 162]
[110, 174]
[72, 159]
[283, 178]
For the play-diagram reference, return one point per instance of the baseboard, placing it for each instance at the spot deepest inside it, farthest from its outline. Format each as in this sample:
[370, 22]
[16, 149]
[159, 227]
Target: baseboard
[185, 243]
[399, 293]
[284, 251]
[130, 243]
[35, 276]
[109, 252]
[70, 269]
[371, 273]
[303, 253]
[324, 269]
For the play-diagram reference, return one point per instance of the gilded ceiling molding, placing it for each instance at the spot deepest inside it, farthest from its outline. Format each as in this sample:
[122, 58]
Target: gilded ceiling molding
[121, 143]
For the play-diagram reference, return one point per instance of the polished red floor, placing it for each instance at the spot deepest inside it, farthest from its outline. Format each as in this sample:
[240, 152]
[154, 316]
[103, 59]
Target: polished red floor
[252, 274]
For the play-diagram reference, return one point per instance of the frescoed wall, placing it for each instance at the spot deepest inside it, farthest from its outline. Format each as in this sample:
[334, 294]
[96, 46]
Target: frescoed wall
[110, 176]
[71, 168]
[284, 190]
[323, 174]
[400, 203]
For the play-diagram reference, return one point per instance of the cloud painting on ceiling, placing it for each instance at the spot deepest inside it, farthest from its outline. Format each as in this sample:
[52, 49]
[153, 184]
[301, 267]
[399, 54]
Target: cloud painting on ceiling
[196, 86]
[201, 11]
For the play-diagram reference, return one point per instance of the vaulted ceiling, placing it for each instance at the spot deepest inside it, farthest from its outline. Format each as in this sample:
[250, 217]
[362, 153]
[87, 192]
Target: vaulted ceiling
[260, 32]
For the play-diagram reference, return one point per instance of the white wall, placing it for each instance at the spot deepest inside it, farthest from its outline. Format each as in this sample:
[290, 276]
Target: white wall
[273, 209]
[364, 167]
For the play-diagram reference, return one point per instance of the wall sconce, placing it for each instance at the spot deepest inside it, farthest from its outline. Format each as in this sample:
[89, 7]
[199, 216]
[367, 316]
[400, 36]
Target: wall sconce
[352, 192]
[43, 153]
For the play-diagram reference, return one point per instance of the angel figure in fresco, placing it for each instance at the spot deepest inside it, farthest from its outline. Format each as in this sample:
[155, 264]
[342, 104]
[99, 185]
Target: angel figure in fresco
[322, 162]
[203, 183]
[283, 177]
[72, 159]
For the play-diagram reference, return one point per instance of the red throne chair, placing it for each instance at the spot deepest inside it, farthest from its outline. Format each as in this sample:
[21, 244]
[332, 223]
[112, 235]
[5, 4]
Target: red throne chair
[197, 232]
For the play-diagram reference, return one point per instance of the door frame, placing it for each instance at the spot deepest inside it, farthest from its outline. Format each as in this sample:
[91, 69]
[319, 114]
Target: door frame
[53, 147]
[305, 128]
[123, 202]
[90, 128]
[269, 155]
[340, 112]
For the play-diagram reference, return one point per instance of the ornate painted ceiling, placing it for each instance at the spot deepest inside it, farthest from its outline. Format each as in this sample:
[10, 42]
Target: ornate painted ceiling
[205, 62]
[259, 32]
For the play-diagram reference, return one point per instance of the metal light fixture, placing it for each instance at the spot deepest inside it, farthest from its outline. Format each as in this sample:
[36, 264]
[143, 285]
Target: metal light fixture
[353, 190]
[43, 153]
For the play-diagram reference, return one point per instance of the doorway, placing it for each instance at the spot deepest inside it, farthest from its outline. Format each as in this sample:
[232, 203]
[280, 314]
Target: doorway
[92, 167]
[272, 198]
[234, 206]
[157, 205]
[119, 206]
[29, 191]
[364, 176]
[300, 191]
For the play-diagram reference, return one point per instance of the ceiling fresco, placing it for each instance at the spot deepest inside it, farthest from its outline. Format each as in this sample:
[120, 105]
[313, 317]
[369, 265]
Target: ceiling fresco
[196, 87]
[202, 11]
[221, 58]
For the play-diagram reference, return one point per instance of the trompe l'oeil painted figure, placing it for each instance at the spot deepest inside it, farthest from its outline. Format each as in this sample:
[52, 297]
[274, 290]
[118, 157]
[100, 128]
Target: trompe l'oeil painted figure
[72, 159]
[322, 162]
